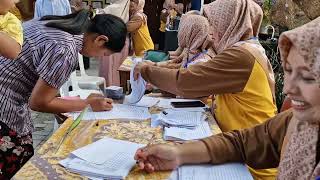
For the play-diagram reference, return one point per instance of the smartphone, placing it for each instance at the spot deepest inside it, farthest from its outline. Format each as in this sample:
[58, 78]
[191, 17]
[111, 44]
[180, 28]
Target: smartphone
[187, 104]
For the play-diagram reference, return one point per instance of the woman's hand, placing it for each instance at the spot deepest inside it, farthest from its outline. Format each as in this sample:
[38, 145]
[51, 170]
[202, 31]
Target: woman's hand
[138, 68]
[99, 103]
[159, 157]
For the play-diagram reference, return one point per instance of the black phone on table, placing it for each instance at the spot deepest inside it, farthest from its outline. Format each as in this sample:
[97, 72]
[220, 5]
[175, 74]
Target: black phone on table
[187, 104]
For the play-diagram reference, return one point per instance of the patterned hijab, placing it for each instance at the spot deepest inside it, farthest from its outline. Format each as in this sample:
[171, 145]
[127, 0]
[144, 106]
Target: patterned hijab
[232, 21]
[193, 32]
[139, 10]
[299, 155]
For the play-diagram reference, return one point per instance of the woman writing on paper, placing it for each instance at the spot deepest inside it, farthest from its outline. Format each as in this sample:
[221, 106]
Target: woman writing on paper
[289, 141]
[240, 75]
[48, 57]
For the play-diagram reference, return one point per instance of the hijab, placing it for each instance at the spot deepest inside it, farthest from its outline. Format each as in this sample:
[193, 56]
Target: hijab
[232, 21]
[299, 155]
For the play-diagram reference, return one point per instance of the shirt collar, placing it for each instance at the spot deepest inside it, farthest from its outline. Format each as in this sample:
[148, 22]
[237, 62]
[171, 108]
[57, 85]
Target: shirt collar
[78, 39]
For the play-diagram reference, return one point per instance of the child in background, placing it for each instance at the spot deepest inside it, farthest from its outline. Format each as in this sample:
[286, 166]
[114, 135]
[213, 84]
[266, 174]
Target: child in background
[138, 28]
[11, 34]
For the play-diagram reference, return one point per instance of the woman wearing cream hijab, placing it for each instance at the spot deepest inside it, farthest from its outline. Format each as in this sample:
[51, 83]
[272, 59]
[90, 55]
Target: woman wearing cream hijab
[289, 141]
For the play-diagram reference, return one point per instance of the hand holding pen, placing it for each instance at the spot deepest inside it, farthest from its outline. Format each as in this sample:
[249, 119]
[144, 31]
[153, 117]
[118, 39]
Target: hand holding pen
[99, 103]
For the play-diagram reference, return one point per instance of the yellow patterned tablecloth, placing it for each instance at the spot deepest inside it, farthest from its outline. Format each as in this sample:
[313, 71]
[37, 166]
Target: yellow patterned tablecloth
[44, 164]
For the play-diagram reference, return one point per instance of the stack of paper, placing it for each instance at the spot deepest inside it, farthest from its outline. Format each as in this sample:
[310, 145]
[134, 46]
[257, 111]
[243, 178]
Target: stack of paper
[231, 171]
[138, 88]
[119, 112]
[184, 134]
[107, 158]
[182, 119]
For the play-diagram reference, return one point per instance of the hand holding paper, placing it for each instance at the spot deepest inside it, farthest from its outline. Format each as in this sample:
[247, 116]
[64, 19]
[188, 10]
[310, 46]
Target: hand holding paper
[138, 86]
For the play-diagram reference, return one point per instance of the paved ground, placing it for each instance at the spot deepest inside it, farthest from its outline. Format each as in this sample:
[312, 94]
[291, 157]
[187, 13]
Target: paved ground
[43, 122]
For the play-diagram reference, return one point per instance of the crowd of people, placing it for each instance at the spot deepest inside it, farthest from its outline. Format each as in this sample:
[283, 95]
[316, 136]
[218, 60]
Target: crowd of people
[218, 56]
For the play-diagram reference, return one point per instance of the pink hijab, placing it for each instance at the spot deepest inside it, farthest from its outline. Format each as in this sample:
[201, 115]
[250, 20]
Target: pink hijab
[232, 21]
[193, 32]
[299, 155]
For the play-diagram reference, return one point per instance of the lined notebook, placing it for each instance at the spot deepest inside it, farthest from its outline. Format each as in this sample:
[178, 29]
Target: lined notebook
[183, 134]
[230, 171]
[119, 112]
[107, 158]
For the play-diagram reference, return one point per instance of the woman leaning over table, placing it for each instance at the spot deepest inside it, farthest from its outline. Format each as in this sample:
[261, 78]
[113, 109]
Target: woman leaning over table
[289, 141]
[49, 55]
[240, 75]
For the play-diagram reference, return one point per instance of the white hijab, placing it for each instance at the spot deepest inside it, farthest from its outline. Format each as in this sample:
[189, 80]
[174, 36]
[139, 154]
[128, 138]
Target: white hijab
[118, 8]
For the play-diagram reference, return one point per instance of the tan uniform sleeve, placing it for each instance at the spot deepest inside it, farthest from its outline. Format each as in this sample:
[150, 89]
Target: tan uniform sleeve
[259, 147]
[228, 72]
[134, 23]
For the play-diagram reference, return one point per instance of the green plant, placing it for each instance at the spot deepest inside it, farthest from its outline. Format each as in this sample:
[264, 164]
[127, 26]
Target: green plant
[267, 5]
[274, 57]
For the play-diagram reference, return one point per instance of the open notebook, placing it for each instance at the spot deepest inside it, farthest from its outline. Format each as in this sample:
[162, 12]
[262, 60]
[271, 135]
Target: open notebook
[183, 134]
[107, 158]
[230, 171]
[119, 112]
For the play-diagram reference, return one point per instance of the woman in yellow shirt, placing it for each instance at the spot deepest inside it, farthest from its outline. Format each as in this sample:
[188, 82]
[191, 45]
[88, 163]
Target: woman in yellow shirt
[138, 28]
[11, 34]
[240, 75]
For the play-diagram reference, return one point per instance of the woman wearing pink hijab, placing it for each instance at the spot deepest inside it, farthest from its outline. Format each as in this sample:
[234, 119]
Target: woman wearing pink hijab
[194, 38]
[289, 141]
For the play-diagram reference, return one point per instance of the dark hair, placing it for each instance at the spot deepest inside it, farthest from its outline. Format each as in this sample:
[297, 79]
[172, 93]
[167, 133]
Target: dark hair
[103, 24]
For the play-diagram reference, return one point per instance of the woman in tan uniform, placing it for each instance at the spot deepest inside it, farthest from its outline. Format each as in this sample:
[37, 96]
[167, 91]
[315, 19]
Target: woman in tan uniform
[289, 141]
[194, 38]
[240, 75]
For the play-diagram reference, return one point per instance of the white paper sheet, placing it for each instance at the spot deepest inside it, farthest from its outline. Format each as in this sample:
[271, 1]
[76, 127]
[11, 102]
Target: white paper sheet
[230, 171]
[178, 134]
[106, 158]
[138, 88]
[187, 119]
[118, 112]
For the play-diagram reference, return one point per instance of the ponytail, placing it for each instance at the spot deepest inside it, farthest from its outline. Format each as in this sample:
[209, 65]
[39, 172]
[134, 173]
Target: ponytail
[82, 21]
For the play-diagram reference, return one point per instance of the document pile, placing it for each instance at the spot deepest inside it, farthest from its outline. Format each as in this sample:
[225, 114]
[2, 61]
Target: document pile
[118, 112]
[138, 88]
[183, 134]
[182, 119]
[106, 159]
[230, 171]
[182, 125]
